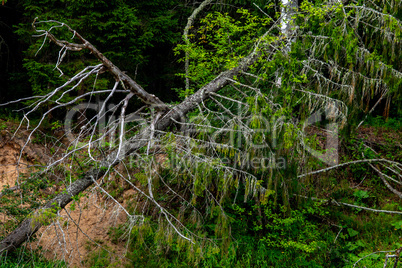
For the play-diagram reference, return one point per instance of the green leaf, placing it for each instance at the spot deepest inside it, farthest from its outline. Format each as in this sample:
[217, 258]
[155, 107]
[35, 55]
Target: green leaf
[352, 232]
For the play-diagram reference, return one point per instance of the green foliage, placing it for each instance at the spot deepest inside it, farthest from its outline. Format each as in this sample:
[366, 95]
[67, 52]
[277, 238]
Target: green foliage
[25, 259]
[353, 48]
[390, 123]
[101, 257]
[44, 217]
[219, 44]
[3, 125]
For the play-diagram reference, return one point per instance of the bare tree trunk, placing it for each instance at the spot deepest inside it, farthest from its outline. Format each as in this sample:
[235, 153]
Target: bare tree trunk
[287, 10]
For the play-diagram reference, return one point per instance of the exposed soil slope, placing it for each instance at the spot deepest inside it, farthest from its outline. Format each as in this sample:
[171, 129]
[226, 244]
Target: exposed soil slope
[63, 239]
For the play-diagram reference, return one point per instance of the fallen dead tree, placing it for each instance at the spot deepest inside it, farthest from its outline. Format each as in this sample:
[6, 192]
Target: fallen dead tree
[164, 118]
[248, 83]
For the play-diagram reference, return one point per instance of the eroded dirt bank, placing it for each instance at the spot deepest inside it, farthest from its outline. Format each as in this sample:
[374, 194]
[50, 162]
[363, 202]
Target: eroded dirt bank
[80, 230]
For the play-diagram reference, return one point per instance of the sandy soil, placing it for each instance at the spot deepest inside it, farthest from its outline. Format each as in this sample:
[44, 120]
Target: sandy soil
[8, 166]
[64, 240]
[9, 172]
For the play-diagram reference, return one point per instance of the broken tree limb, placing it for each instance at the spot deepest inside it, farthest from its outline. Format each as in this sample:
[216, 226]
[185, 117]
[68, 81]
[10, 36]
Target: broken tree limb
[127, 81]
[392, 189]
[30, 226]
[337, 203]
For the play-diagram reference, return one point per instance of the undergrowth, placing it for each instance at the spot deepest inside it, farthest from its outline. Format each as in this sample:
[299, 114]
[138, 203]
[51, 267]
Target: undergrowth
[25, 258]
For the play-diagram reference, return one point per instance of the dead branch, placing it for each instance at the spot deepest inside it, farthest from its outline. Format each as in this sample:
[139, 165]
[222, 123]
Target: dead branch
[127, 81]
[351, 163]
[334, 202]
[386, 257]
[392, 189]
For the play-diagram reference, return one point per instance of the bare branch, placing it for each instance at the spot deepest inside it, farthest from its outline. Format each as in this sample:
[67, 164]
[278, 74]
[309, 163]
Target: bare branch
[350, 163]
[399, 194]
[388, 251]
[334, 202]
[147, 98]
